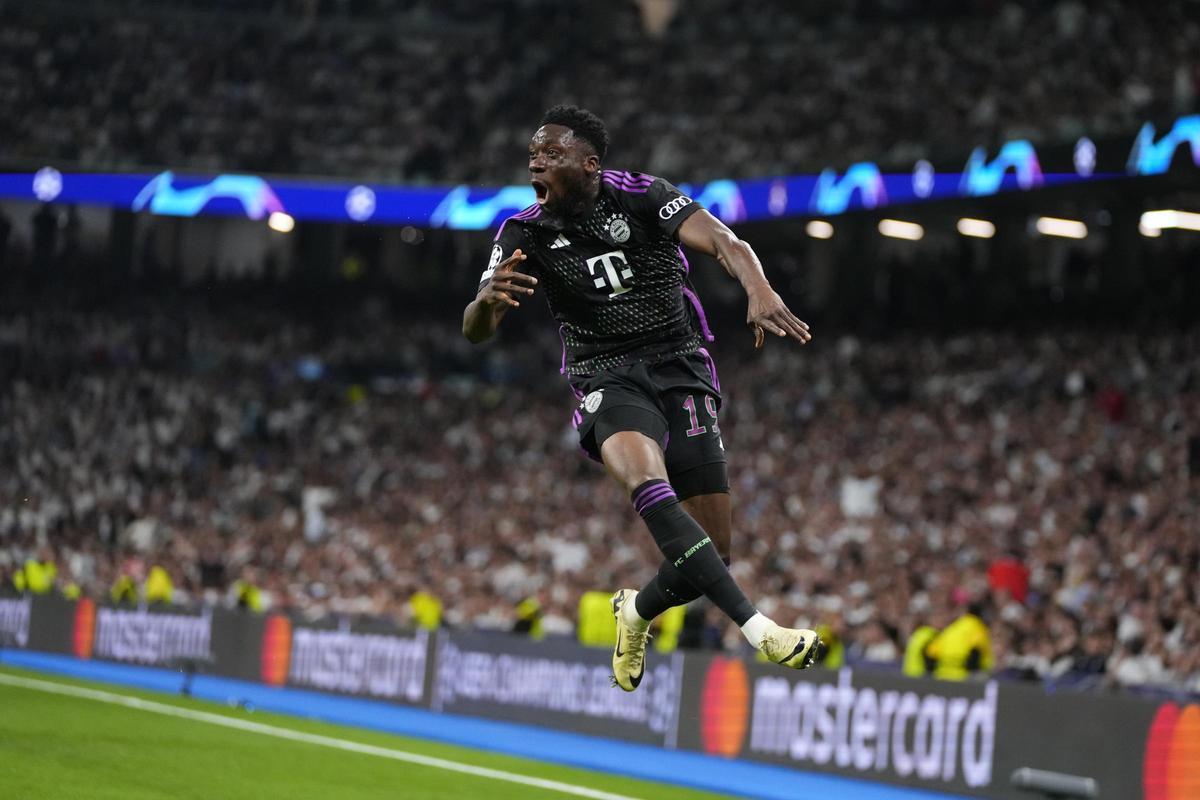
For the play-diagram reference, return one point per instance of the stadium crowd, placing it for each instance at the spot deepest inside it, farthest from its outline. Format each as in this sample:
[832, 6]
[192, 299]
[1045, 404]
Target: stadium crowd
[340, 462]
[430, 91]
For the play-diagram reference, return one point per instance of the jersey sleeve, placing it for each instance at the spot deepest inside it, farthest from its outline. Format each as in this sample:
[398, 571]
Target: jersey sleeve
[508, 239]
[668, 207]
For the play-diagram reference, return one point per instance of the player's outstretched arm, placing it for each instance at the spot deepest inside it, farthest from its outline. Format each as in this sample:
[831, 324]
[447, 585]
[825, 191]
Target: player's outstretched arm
[707, 234]
[482, 316]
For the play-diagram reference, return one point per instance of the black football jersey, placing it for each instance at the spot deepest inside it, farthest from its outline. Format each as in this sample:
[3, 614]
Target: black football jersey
[616, 279]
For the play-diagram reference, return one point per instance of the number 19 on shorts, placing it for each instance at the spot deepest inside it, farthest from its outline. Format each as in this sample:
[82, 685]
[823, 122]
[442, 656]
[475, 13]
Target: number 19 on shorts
[710, 405]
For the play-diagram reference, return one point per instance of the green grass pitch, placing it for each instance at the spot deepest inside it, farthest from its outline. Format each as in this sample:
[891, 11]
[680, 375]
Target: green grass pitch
[55, 746]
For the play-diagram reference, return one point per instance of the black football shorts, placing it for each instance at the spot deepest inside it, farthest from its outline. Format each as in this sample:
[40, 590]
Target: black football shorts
[674, 402]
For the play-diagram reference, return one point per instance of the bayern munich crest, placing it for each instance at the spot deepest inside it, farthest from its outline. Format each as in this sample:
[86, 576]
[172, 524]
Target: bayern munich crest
[618, 228]
[592, 401]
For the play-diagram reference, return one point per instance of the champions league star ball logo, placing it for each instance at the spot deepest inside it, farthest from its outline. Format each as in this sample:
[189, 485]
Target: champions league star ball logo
[592, 401]
[618, 228]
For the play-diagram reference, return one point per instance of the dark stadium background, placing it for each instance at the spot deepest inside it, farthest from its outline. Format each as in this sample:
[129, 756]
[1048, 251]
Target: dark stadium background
[208, 413]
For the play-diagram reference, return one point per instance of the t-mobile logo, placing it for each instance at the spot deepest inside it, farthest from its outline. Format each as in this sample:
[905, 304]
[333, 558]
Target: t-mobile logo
[615, 267]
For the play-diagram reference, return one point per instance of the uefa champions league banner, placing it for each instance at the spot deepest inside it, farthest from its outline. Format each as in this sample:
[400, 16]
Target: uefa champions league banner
[555, 684]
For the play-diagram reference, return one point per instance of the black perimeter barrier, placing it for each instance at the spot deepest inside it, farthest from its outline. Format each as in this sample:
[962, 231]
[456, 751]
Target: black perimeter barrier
[970, 738]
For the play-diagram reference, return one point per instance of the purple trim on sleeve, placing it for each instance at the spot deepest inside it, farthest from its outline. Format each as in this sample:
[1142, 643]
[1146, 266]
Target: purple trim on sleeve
[628, 189]
[533, 212]
[629, 177]
[627, 182]
[712, 367]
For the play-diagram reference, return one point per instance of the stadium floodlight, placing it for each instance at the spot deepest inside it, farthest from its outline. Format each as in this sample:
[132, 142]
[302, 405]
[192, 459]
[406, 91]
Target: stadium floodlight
[898, 229]
[1166, 218]
[979, 228]
[279, 221]
[1067, 228]
[1149, 232]
[819, 229]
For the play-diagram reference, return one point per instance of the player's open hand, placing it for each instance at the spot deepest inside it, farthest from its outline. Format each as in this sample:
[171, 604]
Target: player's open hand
[768, 313]
[506, 284]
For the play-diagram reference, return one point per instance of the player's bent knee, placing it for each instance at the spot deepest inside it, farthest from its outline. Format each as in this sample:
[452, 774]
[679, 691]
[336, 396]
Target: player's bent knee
[632, 458]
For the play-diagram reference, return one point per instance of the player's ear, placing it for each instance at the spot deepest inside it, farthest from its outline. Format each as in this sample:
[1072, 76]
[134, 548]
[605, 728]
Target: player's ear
[591, 164]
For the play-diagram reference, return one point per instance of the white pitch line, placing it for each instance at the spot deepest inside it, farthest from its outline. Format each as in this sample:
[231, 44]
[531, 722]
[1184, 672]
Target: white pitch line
[310, 738]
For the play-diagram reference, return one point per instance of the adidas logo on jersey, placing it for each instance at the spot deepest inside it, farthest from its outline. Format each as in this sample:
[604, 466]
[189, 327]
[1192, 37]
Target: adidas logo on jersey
[561, 241]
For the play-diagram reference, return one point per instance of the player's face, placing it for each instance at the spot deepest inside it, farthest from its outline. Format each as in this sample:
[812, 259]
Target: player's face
[561, 168]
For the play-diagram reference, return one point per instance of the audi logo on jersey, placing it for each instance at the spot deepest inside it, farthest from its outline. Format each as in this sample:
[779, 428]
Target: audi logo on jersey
[672, 208]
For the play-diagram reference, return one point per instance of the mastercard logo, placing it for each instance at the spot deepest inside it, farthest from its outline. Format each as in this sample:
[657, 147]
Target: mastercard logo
[725, 707]
[83, 637]
[276, 650]
[1171, 768]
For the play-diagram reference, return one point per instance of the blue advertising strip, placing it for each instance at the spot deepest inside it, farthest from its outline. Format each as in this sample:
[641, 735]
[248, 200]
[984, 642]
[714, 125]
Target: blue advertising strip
[1015, 166]
[862, 186]
[740, 778]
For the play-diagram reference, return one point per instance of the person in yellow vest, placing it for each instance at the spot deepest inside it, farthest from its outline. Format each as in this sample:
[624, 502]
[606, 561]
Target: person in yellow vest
[915, 661]
[248, 595]
[529, 618]
[834, 654]
[426, 610]
[159, 587]
[963, 647]
[597, 626]
[39, 575]
[36, 575]
[124, 590]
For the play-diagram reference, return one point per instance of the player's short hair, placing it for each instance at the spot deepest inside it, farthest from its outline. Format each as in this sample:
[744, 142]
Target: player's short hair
[583, 123]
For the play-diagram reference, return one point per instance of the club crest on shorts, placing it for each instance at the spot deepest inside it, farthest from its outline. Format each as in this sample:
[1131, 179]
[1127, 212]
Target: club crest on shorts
[592, 401]
[618, 228]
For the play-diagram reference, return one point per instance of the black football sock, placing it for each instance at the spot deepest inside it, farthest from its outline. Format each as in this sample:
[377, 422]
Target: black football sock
[688, 549]
[667, 589]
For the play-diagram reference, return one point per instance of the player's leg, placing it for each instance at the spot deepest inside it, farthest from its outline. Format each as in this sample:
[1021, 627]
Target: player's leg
[696, 465]
[714, 512]
[703, 492]
[636, 463]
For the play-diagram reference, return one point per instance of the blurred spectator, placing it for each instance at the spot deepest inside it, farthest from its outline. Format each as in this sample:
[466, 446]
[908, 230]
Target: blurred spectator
[596, 627]
[961, 648]
[181, 434]
[426, 610]
[159, 587]
[738, 91]
[1010, 575]
[529, 619]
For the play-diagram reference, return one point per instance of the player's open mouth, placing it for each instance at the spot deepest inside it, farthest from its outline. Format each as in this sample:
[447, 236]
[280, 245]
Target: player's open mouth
[541, 189]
